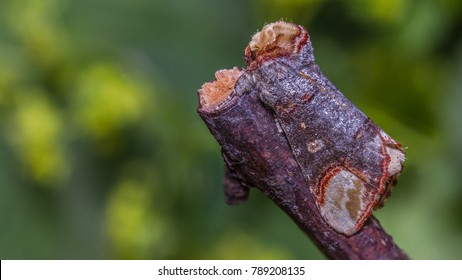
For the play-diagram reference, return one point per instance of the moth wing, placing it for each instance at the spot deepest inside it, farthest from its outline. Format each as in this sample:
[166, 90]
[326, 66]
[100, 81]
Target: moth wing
[348, 162]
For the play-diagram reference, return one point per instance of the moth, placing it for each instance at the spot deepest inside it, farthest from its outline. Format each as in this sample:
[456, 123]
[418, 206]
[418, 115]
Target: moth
[348, 162]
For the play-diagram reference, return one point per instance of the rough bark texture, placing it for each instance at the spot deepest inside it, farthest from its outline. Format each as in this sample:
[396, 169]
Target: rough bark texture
[259, 155]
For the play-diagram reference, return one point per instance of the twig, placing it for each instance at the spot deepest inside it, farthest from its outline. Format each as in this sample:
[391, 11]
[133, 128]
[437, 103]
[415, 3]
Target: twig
[257, 153]
[255, 149]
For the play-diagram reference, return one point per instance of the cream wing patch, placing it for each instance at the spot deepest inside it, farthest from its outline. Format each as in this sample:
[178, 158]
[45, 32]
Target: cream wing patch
[396, 160]
[345, 202]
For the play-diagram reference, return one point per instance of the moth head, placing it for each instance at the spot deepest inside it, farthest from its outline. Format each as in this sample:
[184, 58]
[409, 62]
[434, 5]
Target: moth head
[278, 39]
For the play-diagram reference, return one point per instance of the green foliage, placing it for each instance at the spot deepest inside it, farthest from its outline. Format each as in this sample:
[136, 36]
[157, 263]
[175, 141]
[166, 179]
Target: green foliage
[102, 154]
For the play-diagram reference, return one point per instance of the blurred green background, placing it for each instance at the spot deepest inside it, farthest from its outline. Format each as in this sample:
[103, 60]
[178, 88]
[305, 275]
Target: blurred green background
[102, 154]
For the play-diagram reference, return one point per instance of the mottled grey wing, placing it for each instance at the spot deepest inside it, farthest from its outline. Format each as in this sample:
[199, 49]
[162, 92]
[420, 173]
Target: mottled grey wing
[348, 161]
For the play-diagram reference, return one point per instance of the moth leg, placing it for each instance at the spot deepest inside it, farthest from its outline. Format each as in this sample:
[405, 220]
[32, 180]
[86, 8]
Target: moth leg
[235, 189]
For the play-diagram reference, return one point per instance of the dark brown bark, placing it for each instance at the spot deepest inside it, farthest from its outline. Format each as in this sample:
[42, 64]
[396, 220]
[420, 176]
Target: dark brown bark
[257, 154]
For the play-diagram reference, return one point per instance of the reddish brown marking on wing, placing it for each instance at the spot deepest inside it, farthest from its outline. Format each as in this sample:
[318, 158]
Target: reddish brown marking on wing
[359, 133]
[380, 191]
[308, 77]
[389, 179]
[364, 217]
[384, 165]
[307, 97]
[291, 108]
[362, 175]
[326, 176]
[300, 40]
[286, 110]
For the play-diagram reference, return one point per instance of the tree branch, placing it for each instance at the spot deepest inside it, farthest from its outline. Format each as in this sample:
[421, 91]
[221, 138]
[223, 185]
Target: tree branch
[257, 151]
[260, 155]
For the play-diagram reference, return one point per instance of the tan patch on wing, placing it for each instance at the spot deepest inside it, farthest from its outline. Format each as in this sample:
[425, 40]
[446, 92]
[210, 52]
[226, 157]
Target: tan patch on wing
[353, 204]
[396, 160]
[345, 200]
